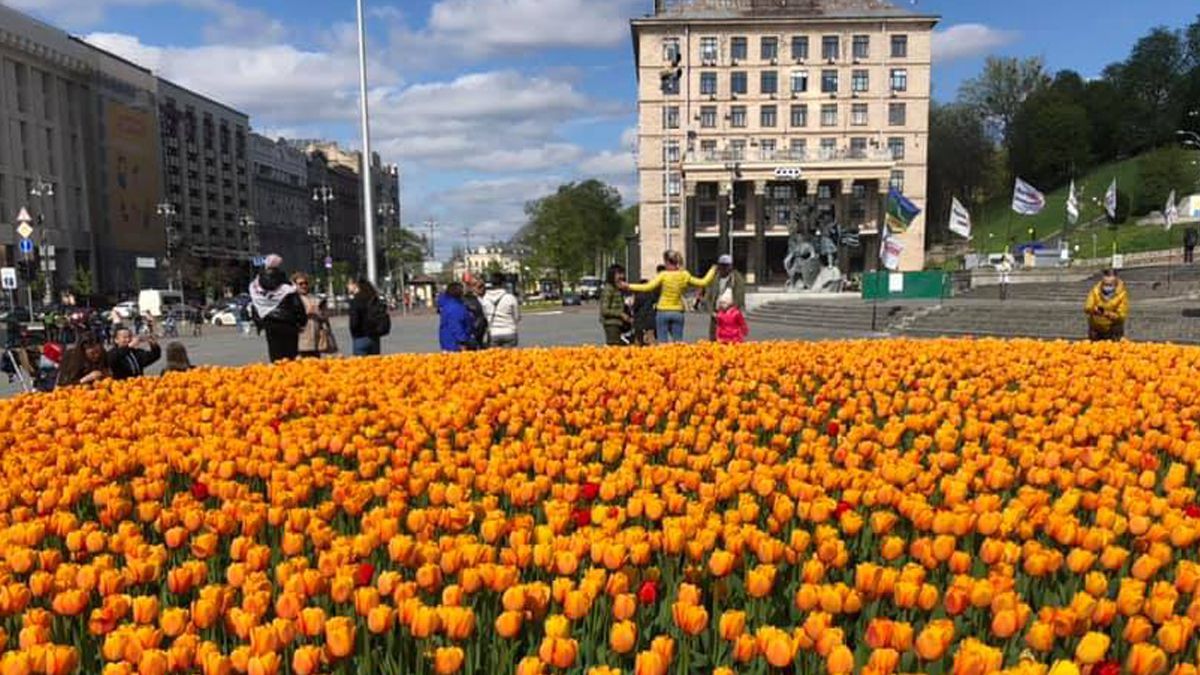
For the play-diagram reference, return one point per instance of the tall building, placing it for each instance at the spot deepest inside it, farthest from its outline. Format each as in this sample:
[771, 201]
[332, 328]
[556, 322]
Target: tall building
[281, 201]
[761, 118]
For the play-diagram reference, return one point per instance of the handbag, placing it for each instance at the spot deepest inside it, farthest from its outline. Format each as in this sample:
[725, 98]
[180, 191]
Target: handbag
[326, 342]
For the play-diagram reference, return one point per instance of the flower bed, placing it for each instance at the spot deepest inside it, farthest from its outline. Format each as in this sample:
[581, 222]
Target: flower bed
[941, 506]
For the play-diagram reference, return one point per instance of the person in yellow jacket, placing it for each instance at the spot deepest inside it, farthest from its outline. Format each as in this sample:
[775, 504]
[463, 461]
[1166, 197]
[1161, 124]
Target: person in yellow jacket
[1107, 308]
[673, 283]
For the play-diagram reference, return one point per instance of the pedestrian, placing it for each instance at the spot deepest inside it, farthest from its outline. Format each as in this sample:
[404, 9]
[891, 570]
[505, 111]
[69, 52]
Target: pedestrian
[729, 321]
[276, 310]
[645, 315]
[673, 282]
[613, 315]
[503, 314]
[473, 291]
[1005, 268]
[131, 354]
[1107, 308]
[316, 337]
[728, 279]
[1190, 238]
[84, 363]
[369, 319]
[455, 323]
[177, 359]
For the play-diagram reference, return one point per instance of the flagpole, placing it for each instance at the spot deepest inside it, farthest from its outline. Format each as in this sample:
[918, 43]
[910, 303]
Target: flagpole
[366, 164]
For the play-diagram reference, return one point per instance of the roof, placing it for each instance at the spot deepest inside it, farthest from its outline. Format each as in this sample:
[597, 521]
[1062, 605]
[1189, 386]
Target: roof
[671, 10]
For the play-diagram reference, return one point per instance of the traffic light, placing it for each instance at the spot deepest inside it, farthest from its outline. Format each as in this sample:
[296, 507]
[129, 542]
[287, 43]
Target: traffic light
[27, 270]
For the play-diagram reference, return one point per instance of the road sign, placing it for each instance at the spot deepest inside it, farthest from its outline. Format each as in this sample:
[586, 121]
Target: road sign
[146, 263]
[26, 245]
[259, 261]
[8, 278]
[23, 216]
[24, 230]
[328, 263]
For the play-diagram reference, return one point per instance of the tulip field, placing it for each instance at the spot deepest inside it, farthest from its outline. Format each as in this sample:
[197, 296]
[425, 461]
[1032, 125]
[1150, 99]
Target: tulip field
[874, 507]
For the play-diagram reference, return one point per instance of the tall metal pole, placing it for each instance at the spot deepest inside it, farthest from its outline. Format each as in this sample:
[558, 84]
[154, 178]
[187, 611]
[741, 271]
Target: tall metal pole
[368, 192]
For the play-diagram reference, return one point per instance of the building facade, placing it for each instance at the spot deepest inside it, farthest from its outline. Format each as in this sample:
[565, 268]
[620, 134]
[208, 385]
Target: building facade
[45, 94]
[281, 201]
[764, 119]
[482, 261]
[336, 195]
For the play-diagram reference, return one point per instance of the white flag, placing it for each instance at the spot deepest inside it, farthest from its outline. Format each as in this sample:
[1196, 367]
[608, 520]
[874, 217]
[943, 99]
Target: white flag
[890, 249]
[1027, 200]
[960, 219]
[1171, 212]
[1110, 200]
[1072, 205]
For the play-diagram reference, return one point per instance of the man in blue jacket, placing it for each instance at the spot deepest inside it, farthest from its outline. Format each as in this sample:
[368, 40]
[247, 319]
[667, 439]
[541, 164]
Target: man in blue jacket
[454, 333]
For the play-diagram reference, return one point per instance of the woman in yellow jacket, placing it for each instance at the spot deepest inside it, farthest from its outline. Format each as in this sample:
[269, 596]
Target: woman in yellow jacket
[673, 283]
[1107, 307]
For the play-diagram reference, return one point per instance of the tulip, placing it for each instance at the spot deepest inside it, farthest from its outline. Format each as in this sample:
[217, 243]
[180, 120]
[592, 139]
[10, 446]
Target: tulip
[623, 637]
[447, 660]
[530, 665]
[649, 663]
[1091, 648]
[339, 636]
[732, 624]
[934, 639]
[1145, 659]
[558, 652]
[840, 660]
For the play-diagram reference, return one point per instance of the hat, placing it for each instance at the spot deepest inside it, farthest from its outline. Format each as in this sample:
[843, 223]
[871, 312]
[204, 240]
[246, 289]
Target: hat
[725, 260]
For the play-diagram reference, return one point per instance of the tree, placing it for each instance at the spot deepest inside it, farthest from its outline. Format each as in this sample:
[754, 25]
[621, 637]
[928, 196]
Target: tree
[959, 154]
[83, 282]
[1000, 90]
[1149, 82]
[1050, 139]
[569, 230]
[1102, 100]
[1159, 173]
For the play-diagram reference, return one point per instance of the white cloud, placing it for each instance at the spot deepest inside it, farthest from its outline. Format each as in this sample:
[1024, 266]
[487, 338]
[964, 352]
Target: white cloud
[608, 163]
[230, 23]
[967, 40]
[488, 26]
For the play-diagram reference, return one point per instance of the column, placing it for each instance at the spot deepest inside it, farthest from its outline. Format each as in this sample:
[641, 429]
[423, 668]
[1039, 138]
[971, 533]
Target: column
[756, 249]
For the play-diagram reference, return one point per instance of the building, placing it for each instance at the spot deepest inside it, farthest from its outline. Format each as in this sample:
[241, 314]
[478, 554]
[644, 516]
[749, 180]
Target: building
[282, 201]
[45, 96]
[336, 211]
[754, 113]
[484, 260]
[207, 182]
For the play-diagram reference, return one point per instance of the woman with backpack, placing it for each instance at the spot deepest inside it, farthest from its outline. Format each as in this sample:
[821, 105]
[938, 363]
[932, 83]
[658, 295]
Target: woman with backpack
[277, 310]
[369, 319]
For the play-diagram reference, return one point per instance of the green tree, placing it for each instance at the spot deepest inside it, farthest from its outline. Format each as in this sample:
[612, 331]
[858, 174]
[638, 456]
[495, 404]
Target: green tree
[959, 162]
[1002, 88]
[570, 230]
[1150, 83]
[1159, 173]
[83, 283]
[1102, 100]
[1050, 138]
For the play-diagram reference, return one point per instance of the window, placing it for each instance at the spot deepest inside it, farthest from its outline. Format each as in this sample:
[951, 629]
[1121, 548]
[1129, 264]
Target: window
[737, 148]
[896, 148]
[767, 148]
[799, 81]
[860, 81]
[673, 184]
[829, 81]
[858, 148]
[672, 217]
[798, 148]
[708, 51]
[897, 181]
[671, 117]
[739, 49]
[670, 84]
[708, 116]
[738, 82]
[767, 116]
[800, 115]
[769, 82]
[899, 79]
[671, 152]
[708, 149]
[899, 46]
[862, 47]
[829, 115]
[671, 52]
[737, 116]
[800, 47]
[897, 114]
[858, 114]
[769, 48]
[830, 47]
[708, 84]
[828, 150]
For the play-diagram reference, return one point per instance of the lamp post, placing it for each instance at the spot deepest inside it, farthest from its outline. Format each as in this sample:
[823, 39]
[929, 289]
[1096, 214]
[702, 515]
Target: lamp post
[324, 195]
[43, 189]
[387, 212]
[251, 227]
[167, 211]
[431, 225]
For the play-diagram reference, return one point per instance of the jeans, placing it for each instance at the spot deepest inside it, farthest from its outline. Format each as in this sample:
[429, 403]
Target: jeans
[366, 346]
[669, 326]
[505, 341]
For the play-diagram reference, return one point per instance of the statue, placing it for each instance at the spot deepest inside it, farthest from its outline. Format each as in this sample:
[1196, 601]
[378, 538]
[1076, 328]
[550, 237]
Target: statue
[812, 257]
[801, 262]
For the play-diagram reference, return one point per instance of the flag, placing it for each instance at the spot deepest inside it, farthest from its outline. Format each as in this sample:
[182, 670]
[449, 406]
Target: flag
[900, 211]
[890, 249]
[960, 219]
[1110, 200]
[1027, 200]
[1171, 212]
[1072, 205]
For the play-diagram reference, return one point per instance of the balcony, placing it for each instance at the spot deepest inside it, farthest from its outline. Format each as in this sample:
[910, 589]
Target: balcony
[795, 156]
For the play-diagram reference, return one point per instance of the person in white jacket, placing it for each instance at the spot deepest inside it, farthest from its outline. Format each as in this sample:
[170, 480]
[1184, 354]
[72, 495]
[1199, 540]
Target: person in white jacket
[503, 313]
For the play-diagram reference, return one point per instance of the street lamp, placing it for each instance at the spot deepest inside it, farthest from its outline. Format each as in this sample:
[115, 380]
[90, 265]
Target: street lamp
[251, 227]
[167, 211]
[324, 195]
[387, 212]
[43, 189]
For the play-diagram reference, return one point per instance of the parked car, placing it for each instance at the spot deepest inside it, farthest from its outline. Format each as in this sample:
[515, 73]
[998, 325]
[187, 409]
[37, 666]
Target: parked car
[226, 316]
[571, 299]
[589, 288]
[127, 309]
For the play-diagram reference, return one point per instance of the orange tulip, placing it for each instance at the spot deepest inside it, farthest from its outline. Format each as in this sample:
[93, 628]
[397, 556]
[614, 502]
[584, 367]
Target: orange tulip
[339, 636]
[447, 660]
[1092, 648]
[623, 637]
[558, 652]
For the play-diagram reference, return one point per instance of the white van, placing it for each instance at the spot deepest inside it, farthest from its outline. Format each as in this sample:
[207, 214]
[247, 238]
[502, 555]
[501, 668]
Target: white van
[158, 302]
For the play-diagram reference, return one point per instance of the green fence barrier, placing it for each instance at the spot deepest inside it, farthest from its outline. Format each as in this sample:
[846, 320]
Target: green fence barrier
[905, 285]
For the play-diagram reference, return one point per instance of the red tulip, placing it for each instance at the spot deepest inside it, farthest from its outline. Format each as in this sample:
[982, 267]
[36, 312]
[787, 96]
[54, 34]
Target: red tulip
[1107, 668]
[275, 425]
[364, 574]
[638, 417]
[842, 507]
[582, 517]
[648, 593]
[589, 491]
[199, 491]
[1192, 511]
[833, 429]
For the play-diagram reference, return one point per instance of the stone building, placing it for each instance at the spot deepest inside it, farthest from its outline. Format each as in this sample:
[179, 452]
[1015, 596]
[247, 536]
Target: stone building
[282, 201]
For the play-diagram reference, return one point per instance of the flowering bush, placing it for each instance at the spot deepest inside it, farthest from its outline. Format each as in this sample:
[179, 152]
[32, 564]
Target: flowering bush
[942, 506]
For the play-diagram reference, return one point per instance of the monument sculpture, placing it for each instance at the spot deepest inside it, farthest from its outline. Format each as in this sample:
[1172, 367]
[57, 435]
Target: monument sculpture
[812, 257]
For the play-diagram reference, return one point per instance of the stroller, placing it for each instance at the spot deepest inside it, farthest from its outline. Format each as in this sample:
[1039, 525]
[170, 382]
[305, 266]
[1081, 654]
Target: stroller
[31, 361]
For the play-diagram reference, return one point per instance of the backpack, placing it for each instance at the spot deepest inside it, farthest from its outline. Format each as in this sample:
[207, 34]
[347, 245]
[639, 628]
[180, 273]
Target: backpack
[378, 322]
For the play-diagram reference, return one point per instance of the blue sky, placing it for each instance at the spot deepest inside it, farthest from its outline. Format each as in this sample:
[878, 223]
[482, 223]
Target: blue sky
[486, 104]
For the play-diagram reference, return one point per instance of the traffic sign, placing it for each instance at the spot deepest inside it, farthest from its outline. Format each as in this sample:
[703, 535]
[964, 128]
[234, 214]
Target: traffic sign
[23, 216]
[26, 245]
[259, 261]
[328, 263]
[8, 278]
[24, 230]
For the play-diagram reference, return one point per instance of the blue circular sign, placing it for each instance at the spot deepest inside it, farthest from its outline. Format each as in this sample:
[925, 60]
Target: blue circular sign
[26, 246]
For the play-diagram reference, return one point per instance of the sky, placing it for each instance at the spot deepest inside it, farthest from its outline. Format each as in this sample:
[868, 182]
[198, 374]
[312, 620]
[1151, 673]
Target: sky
[487, 104]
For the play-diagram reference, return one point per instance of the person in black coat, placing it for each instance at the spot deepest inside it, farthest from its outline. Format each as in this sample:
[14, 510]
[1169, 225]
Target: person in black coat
[479, 321]
[364, 335]
[277, 310]
[127, 359]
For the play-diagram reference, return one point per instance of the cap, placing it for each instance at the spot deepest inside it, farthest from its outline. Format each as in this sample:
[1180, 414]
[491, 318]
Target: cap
[725, 260]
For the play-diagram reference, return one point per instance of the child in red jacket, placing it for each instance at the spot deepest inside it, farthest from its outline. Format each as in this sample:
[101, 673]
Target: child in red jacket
[731, 323]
